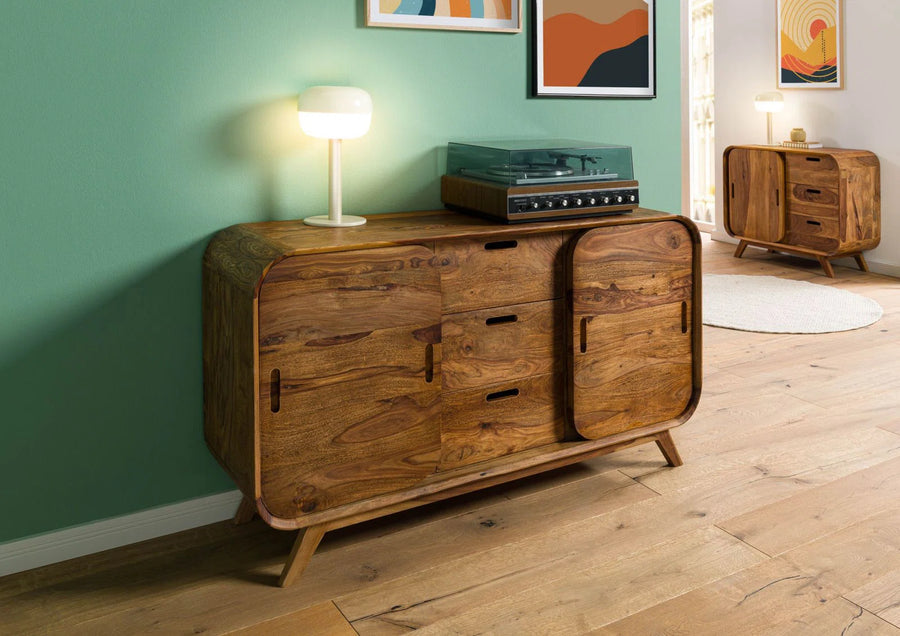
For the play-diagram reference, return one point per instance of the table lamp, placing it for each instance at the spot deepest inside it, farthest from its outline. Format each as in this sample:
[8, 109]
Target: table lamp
[769, 103]
[334, 113]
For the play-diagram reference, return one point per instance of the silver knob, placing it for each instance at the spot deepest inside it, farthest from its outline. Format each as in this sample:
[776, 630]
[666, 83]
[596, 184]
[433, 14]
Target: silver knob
[564, 203]
[619, 198]
[605, 200]
[632, 198]
[579, 202]
[592, 201]
[535, 205]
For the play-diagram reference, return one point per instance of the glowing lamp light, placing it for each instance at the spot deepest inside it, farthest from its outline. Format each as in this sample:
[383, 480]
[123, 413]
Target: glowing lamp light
[334, 113]
[769, 103]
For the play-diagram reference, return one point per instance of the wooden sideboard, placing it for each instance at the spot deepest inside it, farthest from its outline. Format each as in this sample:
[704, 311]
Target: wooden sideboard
[824, 203]
[354, 372]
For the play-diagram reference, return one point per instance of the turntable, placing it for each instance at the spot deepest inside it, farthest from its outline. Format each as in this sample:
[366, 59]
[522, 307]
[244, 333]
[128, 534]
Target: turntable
[517, 181]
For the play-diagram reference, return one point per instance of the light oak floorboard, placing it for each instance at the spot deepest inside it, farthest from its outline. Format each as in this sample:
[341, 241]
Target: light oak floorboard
[783, 520]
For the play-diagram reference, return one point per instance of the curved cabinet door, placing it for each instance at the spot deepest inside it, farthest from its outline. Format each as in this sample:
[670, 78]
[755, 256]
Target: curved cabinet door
[755, 207]
[349, 377]
[631, 353]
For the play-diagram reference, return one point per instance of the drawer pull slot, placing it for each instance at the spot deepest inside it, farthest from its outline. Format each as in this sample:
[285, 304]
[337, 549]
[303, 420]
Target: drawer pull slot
[814, 159]
[584, 323]
[429, 363]
[684, 317]
[501, 245]
[501, 320]
[499, 395]
[275, 390]
[814, 222]
[813, 191]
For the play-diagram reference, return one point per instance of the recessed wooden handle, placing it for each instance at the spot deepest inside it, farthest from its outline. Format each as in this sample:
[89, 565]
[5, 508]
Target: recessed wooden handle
[684, 323]
[275, 390]
[429, 363]
[814, 222]
[499, 395]
[500, 320]
[777, 196]
[814, 159]
[584, 322]
[813, 191]
[501, 245]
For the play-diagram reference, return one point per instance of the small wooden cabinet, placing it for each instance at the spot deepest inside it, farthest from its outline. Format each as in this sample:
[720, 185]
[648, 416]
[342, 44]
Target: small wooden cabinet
[824, 203]
[351, 373]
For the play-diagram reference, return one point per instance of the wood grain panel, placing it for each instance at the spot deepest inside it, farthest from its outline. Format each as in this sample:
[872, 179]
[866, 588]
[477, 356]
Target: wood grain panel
[354, 410]
[505, 343]
[826, 199]
[631, 359]
[815, 232]
[480, 273]
[812, 169]
[755, 202]
[861, 228]
[505, 418]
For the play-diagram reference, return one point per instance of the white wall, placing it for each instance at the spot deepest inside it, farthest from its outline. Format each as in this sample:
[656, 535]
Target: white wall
[864, 114]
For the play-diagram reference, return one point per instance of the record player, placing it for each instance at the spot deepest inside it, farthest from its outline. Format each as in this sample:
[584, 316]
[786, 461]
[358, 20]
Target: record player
[517, 181]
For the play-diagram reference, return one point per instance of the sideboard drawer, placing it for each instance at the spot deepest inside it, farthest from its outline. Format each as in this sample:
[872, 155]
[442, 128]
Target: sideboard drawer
[814, 232]
[504, 343]
[812, 169]
[824, 198]
[505, 418]
[497, 271]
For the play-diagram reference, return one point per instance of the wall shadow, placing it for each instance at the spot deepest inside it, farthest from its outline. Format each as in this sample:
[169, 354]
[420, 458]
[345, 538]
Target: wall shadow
[104, 416]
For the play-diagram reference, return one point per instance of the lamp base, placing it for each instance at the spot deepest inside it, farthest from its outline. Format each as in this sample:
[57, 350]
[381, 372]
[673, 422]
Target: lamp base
[346, 220]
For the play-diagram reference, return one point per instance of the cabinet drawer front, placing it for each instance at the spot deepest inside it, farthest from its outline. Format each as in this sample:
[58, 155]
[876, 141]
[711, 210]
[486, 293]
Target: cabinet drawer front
[815, 170]
[497, 271]
[826, 200]
[496, 345]
[480, 424]
[815, 232]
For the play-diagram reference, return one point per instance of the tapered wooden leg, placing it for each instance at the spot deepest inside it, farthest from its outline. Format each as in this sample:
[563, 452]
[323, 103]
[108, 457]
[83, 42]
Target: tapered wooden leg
[829, 272]
[245, 512]
[667, 447]
[740, 249]
[306, 543]
[861, 262]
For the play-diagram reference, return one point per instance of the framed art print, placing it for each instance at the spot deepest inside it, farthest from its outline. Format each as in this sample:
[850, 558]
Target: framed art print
[809, 44]
[472, 15]
[596, 48]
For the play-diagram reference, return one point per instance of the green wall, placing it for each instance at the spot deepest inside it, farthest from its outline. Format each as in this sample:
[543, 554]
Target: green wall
[133, 130]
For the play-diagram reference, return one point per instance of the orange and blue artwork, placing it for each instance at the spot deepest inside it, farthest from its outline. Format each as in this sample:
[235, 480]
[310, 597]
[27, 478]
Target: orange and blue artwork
[600, 48]
[809, 36]
[482, 15]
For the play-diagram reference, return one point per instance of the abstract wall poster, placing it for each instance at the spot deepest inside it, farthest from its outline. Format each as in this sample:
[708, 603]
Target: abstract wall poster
[809, 44]
[472, 15]
[595, 48]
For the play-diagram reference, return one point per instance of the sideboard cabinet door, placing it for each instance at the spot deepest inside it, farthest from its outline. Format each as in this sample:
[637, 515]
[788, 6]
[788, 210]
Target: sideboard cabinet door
[349, 386]
[631, 327]
[756, 200]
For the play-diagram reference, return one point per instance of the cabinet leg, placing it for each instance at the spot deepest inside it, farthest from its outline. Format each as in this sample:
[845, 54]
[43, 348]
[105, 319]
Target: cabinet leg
[826, 265]
[306, 543]
[740, 249]
[667, 447]
[861, 262]
[246, 511]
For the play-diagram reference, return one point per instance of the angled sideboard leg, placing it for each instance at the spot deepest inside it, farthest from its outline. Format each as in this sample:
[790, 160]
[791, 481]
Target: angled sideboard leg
[306, 543]
[861, 262]
[826, 265]
[246, 511]
[667, 446]
[740, 249]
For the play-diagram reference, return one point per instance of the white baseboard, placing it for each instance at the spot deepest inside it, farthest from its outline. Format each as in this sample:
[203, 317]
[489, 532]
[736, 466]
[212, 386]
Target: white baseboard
[44, 549]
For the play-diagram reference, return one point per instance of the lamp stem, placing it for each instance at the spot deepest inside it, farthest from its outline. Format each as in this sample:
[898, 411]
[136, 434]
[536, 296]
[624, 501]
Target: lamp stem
[334, 179]
[769, 128]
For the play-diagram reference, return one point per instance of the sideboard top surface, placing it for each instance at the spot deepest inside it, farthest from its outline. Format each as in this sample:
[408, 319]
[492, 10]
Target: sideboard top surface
[263, 244]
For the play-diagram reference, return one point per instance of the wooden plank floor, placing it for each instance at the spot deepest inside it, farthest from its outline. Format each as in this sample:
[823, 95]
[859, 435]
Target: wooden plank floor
[785, 519]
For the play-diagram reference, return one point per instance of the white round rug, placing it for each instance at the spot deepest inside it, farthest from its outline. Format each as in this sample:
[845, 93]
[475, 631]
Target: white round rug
[777, 305]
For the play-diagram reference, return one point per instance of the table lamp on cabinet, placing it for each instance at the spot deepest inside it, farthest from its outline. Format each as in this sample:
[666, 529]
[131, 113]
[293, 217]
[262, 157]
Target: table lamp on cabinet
[334, 113]
[769, 103]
